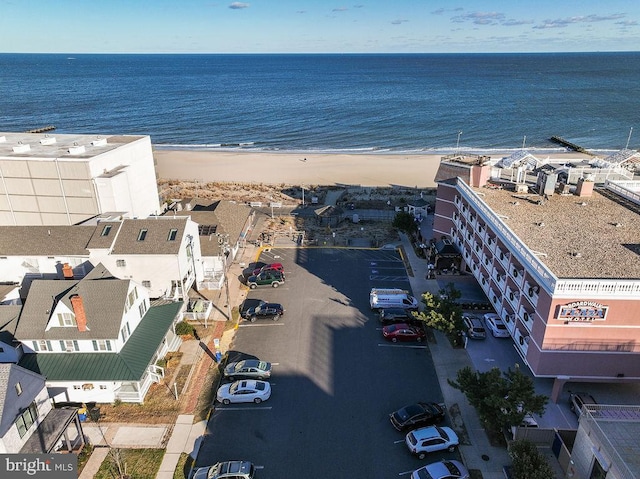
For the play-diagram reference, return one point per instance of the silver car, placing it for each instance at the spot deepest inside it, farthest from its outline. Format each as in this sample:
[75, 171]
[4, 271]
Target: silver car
[226, 470]
[249, 368]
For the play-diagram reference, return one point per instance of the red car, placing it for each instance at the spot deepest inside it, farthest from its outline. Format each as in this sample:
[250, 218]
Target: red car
[403, 332]
[269, 267]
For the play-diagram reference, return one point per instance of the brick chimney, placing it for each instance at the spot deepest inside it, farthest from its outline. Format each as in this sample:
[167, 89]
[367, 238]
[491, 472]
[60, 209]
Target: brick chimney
[67, 271]
[78, 309]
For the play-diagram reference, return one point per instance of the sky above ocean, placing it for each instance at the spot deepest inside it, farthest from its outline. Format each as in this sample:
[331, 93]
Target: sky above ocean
[318, 26]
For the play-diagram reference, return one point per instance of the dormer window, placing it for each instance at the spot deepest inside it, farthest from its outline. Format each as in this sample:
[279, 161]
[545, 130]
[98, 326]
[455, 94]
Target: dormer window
[106, 230]
[142, 235]
[66, 319]
[172, 235]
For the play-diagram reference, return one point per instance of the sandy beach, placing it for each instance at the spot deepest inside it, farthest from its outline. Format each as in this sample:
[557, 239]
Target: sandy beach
[382, 170]
[295, 168]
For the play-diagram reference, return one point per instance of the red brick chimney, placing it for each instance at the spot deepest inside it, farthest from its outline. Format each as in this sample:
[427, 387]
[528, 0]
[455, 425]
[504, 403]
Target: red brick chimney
[78, 309]
[67, 271]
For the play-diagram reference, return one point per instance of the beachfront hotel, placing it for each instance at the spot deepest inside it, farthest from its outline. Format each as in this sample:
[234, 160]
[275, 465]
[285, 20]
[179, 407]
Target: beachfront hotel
[556, 249]
[55, 179]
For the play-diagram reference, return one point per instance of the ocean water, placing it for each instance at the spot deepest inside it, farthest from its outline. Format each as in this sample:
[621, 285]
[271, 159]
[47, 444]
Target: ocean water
[341, 103]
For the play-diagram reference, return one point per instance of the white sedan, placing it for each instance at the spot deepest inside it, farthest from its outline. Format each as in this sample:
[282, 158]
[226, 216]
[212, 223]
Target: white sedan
[496, 326]
[244, 391]
[442, 470]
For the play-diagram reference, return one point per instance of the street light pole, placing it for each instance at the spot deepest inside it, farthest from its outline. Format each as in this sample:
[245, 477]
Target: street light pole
[303, 196]
[223, 240]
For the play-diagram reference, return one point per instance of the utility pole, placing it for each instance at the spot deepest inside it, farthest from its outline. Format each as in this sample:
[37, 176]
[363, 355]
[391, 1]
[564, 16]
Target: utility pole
[223, 241]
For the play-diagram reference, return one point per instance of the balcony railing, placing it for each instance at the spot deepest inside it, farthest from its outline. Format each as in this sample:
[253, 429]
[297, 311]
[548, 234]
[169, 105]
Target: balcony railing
[511, 240]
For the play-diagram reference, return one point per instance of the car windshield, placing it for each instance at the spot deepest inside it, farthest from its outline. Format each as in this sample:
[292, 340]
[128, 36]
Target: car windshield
[239, 365]
[260, 386]
[423, 474]
[452, 468]
[442, 433]
[262, 365]
[213, 471]
[234, 387]
[500, 326]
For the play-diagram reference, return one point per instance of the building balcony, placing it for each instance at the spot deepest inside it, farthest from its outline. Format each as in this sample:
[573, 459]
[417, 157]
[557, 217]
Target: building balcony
[513, 297]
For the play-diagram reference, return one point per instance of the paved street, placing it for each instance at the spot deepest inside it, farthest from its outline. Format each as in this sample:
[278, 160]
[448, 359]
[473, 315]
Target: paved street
[334, 380]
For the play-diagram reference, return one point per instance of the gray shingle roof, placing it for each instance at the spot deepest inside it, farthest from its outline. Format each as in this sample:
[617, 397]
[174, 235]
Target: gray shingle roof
[11, 404]
[156, 239]
[229, 218]
[103, 298]
[104, 235]
[128, 365]
[45, 240]
[8, 321]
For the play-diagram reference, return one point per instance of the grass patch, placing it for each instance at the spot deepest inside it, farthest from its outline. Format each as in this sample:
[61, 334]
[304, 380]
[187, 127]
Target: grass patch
[84, 456]
[185, 463]
[136, 463]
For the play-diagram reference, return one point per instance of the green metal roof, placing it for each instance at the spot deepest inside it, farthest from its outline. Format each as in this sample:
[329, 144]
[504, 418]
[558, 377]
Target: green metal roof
[127, 365]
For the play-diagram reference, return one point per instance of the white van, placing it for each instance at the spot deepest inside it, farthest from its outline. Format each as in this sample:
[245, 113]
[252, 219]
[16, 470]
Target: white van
[392, 298]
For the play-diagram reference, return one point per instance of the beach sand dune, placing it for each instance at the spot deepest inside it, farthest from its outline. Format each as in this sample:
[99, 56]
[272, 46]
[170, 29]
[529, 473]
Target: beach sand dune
[296, 168]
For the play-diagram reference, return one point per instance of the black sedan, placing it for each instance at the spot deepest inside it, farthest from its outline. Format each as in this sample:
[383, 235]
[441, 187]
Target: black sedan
[417, 415]
[264, 310]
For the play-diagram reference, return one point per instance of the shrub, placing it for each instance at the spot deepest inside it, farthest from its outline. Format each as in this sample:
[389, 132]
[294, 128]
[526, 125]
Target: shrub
[528, 463]
[183, 329]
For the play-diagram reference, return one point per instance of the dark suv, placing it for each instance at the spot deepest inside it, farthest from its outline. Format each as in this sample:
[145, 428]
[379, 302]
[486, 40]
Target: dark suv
[577, 400]
[396, 315]
[263, 310]
[272, 278]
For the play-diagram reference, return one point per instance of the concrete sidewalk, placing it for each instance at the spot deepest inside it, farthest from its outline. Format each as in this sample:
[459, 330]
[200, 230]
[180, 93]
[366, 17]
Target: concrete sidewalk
[479, 454]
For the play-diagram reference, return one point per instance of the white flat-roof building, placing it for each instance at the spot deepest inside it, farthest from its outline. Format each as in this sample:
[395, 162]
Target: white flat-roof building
[54, 179]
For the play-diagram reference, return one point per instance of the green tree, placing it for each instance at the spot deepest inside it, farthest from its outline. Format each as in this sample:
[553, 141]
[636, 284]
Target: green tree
[404, 222]
[528, 463]
[502, 399]
[442, 312]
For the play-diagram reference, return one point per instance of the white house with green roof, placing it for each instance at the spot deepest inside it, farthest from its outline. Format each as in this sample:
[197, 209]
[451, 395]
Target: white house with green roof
[97, 338]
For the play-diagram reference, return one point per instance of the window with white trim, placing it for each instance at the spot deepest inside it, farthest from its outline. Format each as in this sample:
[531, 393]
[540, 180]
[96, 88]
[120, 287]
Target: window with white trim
[120, 263]
[66, 319]
[173, 233]
[26, 419]
[101, 345]
[18, 388]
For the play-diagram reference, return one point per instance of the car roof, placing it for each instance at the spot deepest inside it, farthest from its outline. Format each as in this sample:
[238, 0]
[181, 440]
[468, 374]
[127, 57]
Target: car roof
[234, 467]
[440, 469]
[430, 431]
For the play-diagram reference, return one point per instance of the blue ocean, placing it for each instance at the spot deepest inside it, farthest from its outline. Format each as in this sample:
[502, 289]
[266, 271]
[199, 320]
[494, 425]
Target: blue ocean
[333, 103]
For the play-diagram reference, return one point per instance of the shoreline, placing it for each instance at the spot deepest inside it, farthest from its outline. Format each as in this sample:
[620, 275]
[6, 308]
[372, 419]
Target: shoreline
[371, 169]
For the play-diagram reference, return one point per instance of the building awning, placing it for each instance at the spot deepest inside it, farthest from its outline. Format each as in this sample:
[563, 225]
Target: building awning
[49, 432]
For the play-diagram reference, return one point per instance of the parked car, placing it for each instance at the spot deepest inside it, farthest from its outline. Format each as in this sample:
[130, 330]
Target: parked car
[579, 399]
[226, 470]
[431, 439]
[417, 415]
[442, 470]
[474, 328]
[396, 315]
[248, 368]
[263, 310]
[272, 278]
[495, 325]
[403, 332]
[247, 390]
[269, 267]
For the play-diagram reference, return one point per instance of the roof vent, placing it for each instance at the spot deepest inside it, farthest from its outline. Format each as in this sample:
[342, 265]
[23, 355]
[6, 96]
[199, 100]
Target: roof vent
[48, 141]
[76, 149]
[619, 225]
[576, 254]
[20, 148]
[99, 142]
[540, 224]
[584, 203]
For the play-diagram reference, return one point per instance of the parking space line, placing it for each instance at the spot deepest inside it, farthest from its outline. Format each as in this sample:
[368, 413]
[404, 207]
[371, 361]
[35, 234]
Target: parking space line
[407, 346]
[398, 441]
[248, 408]
[405, 473]
[257, 325]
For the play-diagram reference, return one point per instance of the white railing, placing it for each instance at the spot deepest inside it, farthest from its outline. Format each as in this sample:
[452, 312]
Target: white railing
[602, 287]
[627, 189]
[536, 268]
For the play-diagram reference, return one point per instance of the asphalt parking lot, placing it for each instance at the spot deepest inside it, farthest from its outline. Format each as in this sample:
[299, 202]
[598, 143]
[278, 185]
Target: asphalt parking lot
[334, 380]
